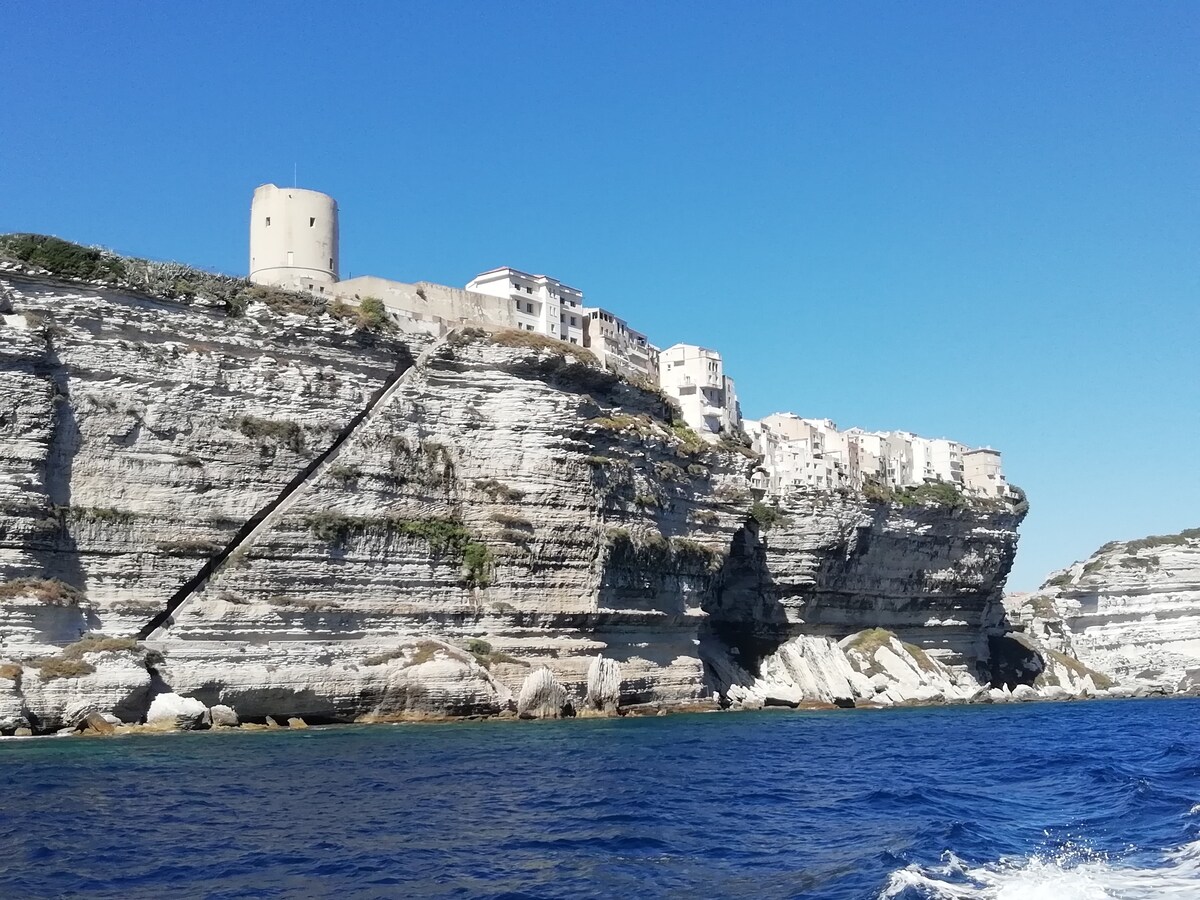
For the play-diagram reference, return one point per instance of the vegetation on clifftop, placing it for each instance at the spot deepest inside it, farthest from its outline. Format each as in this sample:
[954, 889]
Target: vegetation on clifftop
[1163, 540]
[176, 281]
[62, 257]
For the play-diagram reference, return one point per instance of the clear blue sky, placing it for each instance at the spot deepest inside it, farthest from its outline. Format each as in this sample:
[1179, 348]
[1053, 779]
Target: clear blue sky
[979, 221]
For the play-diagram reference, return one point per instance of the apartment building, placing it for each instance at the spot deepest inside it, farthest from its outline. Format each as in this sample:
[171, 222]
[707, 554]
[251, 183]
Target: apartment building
[695, 377]
[803, 453]
[541, 304]
[617, 346]
[982, 472]
[813, 453]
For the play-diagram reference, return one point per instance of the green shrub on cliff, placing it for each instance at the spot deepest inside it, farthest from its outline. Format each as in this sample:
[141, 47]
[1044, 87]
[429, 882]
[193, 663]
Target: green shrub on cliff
[62, 257]
[766, 516]
[372, 316]
[477, 561]
[938, 493]
[1163, 540]
[281, 431]
[444, 536]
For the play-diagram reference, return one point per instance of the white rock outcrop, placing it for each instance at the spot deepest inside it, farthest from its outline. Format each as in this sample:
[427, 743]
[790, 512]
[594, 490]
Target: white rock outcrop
[603, 686]
[541, 696]
[184, 713]
[1130, 612]
[118, 684]
[869, 667]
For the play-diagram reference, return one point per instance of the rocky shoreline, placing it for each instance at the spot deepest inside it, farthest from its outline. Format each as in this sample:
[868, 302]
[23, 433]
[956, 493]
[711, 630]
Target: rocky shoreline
[221, 719]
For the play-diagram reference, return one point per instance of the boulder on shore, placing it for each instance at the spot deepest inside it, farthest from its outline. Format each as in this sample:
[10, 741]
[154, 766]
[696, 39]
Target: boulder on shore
[95, 723]
[185, 713]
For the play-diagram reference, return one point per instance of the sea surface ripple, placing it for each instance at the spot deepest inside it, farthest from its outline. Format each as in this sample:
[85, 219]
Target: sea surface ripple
[1084, 801]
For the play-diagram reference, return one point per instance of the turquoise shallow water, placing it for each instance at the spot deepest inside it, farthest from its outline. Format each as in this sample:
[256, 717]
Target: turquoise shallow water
[1089, 800]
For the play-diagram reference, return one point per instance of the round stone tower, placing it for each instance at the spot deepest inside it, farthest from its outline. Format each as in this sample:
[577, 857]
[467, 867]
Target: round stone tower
[293, 237]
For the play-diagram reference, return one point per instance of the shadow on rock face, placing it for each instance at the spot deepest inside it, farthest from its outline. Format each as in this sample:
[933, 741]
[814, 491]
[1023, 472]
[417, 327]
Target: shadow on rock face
[1015, 659]
[747, 622]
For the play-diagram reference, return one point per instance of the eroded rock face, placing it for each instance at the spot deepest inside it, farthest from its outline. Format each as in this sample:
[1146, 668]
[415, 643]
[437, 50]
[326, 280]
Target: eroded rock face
[1131, 611]
[498, 498]
[603, 686]
[542, 697]
[119, 684]
[869, 667]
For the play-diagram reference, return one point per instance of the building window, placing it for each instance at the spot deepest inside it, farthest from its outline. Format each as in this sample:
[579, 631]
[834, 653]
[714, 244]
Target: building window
[268, 221]
[311, 221]
[573, 341]
[528, 307]
[574, 322]
[529, 290]
[331, 262]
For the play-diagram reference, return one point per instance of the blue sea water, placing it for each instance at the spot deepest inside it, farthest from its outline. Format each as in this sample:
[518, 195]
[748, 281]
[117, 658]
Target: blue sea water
[1088, 800]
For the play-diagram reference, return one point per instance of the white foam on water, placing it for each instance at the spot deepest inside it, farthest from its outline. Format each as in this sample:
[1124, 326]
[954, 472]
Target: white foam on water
[1064, 877]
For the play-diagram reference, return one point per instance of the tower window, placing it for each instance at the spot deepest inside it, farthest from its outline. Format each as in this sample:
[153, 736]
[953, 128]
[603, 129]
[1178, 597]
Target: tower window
[268, 221]
[331, 262]
[311, 221]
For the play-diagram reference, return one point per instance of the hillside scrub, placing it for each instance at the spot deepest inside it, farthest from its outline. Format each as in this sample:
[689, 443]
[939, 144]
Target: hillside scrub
[1163, 540]
[69, 661]
[369, 315]
[49, 591]
[531, 340]
[442, 535]
[935, 493]
[283, 432]
[63, 258]
[170, 280]
[767, 516]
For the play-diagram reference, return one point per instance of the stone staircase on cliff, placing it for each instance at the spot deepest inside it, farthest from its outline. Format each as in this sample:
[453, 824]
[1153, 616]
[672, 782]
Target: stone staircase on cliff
[266, 518]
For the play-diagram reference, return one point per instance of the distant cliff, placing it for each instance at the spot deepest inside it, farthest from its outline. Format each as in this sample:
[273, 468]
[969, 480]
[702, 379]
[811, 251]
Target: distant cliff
[1130, 610]
[259, 502]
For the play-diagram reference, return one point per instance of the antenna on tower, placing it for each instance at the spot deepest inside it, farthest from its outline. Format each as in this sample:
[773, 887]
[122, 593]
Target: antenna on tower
[295, 183]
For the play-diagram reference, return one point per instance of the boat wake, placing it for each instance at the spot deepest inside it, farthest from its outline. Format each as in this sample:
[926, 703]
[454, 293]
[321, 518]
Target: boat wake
[1071, 874]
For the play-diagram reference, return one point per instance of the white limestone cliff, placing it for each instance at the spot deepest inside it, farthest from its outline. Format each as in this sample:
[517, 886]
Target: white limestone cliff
[1131, 611]
[295, 528]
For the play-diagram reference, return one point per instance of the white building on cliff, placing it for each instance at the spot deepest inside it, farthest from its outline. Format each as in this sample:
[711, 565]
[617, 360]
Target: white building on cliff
[541, 304]
[801, 453]
[695, 377]
[294, 244]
